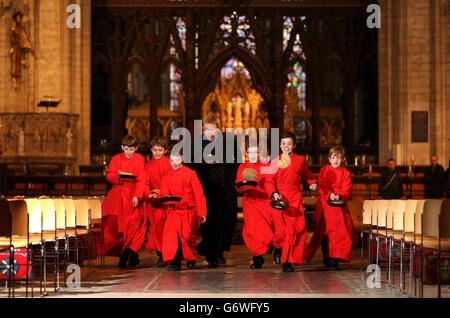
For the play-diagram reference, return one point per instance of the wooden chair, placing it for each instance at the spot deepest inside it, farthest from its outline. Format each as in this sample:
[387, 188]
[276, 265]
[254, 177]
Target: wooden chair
[95, 204]
[444, 235]
[379, 223]
[83, 224]
[435, 234]
[61, 234]
[366, 216]
[71, 230]
[429, 232]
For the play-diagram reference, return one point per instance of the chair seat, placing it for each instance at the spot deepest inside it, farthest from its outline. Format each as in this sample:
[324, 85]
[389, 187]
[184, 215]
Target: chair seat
[96, 221]
[72, 231]
[17, 242]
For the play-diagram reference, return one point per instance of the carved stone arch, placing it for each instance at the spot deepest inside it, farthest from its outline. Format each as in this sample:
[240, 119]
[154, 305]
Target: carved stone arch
[254, 65]
[135, 59]
[171, 60]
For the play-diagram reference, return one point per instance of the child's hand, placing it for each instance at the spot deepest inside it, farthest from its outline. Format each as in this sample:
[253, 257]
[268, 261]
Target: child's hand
[277, 196]
[203, 218]
[153, 196]
[313, 187]
[135, 201]
[334, 197]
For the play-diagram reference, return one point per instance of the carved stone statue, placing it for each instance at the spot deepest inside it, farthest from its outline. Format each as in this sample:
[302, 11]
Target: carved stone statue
[69, 136]
[19, 45]
[21, 142]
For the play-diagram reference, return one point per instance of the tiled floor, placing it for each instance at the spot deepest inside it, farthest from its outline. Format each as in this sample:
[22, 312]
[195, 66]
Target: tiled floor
[234, 279]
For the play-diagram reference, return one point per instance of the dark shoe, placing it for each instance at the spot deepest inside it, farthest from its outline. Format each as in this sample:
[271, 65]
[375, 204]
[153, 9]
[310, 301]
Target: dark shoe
[174, 267]
[221, 260]
[159, 253]
[161, 262]
[326, 261]
[190, 264]
[334, 264]
[134, 258]
[277, 255]
[213, 265]
[287, 268]
[124, 258]
[270, 250]
[258, 261]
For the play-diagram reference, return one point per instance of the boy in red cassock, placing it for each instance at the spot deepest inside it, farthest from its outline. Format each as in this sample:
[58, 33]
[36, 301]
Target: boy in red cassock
[285, 186]
[155, 170]
[122, 217]
[183, 218]
[262, 224]
[334, 224]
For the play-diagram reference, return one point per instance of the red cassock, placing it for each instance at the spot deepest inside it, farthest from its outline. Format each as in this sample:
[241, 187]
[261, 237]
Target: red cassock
[121, 221]
[286, 181]
[155, 212]
[335, 223]
[182, 219]
[263, 225]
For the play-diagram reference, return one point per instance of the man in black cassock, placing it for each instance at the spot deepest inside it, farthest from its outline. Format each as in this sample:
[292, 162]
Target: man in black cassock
[218, 181]
[391, 185]
[434, 180]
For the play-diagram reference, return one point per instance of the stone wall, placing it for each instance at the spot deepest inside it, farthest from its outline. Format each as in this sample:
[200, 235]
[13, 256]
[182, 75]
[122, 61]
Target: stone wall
[58, 65]
[414, 69]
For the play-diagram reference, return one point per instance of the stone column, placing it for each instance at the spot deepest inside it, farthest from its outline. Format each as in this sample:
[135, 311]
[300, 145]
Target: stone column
[413, 52]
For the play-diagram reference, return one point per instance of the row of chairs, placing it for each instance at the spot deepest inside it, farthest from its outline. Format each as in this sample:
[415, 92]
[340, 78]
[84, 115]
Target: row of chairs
[49, 229]
[414, 225]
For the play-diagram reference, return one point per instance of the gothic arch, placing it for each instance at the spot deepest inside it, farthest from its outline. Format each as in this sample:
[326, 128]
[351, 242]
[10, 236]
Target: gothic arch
[253, 64]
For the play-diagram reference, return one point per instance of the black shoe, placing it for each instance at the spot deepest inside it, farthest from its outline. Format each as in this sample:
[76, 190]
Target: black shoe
[134, 258]
[270, 250]
[174, 267]
[213, 265]
[258, 261]
[277, 255]
[190, 264]
[334, 264]
[287, 268]
[326, 261]
[221, 260]
[161, 262]
[124, 258]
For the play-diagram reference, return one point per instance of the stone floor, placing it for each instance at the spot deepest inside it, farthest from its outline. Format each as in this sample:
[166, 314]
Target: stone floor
[234, 279]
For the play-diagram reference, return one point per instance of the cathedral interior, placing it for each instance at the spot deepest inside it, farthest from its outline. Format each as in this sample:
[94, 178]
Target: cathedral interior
[78, 75]
[147, 67]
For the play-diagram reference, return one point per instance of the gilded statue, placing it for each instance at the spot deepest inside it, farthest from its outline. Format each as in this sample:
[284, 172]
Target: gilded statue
[19, 45]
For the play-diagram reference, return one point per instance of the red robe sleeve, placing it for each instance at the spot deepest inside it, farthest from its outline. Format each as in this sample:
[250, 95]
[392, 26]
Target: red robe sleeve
[324, 187]
[200, 200]
[148, 189]
[346, 188]
[307, 174]
[164, 188]
[270, 179]
[140, 178]
[112, 173]
[239, 177]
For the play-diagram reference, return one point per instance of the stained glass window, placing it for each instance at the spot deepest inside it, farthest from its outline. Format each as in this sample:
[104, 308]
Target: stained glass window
[296, 77]
[181, 27]
[232, 67]
[240, 26]
[288, 25]
[175, 88]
